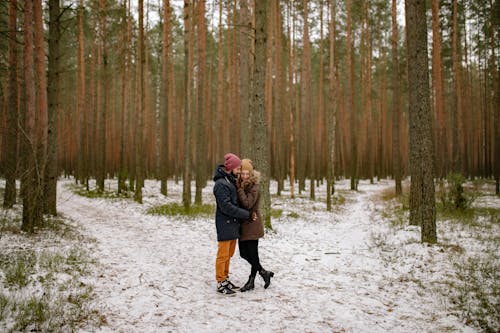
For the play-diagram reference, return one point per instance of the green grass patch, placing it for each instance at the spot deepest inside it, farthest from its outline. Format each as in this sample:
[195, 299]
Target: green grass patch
[293, 215]
[42, 286]
[395, 213]
[9, 224]
[4, 302]
[276, 213]
[469, 216]
[338, 200]
[396, 217]
[62, 306]
[18, 268]
[477, 289]
[78, 261]
[388, 194]
[175, 209]
[31, 315]
[47, 312]
[94, 193]
[46, 292]
[61, 228]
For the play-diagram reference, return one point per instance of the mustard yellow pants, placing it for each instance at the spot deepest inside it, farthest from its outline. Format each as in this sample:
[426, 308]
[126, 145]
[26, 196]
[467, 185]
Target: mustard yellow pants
[224, 253]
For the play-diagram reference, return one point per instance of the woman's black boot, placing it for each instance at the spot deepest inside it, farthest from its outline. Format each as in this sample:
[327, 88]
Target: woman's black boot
[249, 285]
[266, 275]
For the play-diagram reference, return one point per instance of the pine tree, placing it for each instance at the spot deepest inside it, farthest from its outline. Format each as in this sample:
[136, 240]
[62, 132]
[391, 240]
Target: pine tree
[332, 110]
[201, 137]
[12, 112]
[141, 108]
[261, 143]
[422, 195]
[396, 165]
[438, 89]
[188, 67]
[54, 79]
[350, 101]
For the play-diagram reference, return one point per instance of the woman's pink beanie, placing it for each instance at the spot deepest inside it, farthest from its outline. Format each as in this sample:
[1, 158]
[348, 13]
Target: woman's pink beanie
[231, 161]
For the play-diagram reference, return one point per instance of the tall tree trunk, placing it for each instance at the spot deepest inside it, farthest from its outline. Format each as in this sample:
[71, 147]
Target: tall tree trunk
[220, 88]
[103, 100]
[148, 87]
[396, 165]
[291, 104]
[233, 101]
[319, 138]
[369, 100]
[301, 105]
[41, 118]
[467, 117]
[307, 113]
[201, 137]
[82, 110]
[438, 87]
[261, 143]
[268, 99]
[125, 89]
[422, 195]
[332, 110]
[141, 108]
[457, 92]
[173, 115]
[12, 112]
[164, 113]
[186, 190]
[30, 167]
[494, 23]
[350, 102]
[244, 58]
[279, 126]
[54, 75]
[94, 93]
[381, 111]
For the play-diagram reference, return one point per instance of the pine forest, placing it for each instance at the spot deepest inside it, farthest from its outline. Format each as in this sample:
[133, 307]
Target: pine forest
[326, 97]
[159, 89]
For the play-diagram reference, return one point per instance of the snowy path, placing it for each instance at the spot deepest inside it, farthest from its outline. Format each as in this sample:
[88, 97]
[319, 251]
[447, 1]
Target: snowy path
[157, 273]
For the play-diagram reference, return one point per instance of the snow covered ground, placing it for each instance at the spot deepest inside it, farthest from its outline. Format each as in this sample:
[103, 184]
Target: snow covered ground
[360, 268]
[341, 271]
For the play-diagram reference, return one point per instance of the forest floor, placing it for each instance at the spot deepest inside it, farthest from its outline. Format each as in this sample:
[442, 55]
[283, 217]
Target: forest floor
[359, 268]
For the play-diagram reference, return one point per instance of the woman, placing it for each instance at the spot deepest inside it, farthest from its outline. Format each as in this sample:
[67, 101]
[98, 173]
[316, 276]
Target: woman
[251, 230]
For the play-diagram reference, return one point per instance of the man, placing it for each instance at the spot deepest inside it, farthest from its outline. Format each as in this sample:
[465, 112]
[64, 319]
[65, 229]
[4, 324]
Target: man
[227, 219]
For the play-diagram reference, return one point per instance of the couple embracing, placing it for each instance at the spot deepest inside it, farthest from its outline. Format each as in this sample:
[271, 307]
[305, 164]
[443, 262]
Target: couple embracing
[237, 217]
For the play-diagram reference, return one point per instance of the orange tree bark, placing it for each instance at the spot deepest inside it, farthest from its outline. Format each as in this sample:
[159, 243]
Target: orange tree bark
[140, 109]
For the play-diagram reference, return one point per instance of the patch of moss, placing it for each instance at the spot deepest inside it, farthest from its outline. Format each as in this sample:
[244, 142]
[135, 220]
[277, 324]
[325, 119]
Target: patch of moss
[469, 216]
[175, 209]
[275, 213]
[82, 191]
